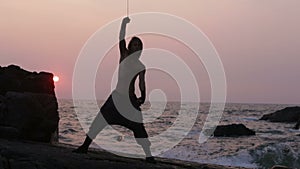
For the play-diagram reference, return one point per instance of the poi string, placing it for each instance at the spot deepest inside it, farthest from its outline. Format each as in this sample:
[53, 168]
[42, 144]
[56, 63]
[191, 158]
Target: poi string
[127, 8]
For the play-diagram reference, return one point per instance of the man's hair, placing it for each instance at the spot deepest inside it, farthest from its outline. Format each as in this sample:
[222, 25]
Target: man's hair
[135, 39]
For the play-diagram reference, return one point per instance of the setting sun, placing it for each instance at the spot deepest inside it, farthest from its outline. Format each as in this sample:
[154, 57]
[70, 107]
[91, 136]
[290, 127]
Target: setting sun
[55, 78]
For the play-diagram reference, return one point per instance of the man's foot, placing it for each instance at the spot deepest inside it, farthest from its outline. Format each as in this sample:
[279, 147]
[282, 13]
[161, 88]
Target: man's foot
[80, 150]
[150, 160]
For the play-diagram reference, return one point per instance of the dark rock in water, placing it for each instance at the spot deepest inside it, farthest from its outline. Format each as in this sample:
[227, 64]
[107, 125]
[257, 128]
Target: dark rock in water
[233, 130]
[28, 106]
[288, 114]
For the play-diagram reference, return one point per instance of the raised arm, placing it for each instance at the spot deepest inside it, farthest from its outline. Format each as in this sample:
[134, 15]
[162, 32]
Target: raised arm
[123, 28]
[142, 86]
[122, 43]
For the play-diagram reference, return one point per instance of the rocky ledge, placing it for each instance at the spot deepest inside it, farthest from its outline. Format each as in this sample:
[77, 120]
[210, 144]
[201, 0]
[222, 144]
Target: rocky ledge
[32, 155]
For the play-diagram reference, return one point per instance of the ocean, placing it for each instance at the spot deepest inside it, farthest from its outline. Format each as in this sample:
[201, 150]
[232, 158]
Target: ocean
[274, 143]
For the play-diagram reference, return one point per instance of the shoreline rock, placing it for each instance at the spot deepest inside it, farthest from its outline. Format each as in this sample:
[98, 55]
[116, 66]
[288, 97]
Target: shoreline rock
[28, 105]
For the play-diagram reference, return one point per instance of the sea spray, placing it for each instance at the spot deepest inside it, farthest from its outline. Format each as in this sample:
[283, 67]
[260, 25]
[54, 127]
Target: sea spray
[268, 155]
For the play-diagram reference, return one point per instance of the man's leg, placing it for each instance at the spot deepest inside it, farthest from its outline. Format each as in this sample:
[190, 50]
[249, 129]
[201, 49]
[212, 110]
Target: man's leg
[141, 138]
[98, 124]
[145, 143]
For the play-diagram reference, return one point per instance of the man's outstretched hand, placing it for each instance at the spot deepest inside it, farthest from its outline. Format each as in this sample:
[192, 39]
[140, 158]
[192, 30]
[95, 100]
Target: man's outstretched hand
[126, 20]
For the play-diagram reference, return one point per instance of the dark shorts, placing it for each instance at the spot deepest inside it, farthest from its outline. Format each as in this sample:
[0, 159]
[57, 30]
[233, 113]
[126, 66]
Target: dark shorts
[114, 117]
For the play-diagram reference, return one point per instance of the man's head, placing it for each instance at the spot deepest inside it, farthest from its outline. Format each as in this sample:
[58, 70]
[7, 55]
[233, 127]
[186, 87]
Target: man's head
[135, 45]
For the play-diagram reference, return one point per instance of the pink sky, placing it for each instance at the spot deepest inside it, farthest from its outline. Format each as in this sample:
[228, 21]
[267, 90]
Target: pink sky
[258, 41]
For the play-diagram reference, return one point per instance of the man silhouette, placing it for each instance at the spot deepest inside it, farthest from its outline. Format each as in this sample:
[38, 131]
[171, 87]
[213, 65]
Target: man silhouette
[123, 107]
